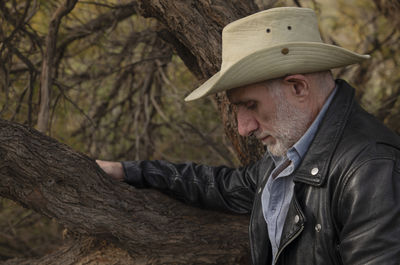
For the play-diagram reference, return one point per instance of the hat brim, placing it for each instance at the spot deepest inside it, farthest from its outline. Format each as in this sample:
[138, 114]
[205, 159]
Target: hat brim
[270, 63]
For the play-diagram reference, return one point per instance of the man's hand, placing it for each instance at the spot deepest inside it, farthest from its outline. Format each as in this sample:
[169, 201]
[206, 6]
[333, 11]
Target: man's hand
[114, 169]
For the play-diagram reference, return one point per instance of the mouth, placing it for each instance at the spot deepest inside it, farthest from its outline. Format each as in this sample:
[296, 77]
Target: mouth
[263, 137]
[266, 139]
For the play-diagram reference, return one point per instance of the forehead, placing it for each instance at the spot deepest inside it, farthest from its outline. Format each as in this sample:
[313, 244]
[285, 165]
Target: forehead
[247, 92]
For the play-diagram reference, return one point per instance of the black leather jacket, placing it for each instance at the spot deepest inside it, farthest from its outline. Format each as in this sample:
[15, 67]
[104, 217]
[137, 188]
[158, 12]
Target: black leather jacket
[346, 203]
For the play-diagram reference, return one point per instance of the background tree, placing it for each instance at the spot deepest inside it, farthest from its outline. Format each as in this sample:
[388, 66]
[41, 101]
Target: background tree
[110, 77]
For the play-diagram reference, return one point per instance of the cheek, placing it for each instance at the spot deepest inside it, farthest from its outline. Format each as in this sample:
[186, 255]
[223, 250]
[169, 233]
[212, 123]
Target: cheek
[266, 118]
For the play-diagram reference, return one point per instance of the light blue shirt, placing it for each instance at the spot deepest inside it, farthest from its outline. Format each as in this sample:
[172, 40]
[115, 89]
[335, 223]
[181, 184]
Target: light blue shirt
[278, 191]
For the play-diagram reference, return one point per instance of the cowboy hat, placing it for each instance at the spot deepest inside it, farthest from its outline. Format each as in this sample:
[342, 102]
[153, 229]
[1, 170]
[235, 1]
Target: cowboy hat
[271, 44]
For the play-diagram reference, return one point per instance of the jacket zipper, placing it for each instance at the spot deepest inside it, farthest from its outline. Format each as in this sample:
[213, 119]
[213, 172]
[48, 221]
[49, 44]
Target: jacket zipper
[287, 243]
[337, 255]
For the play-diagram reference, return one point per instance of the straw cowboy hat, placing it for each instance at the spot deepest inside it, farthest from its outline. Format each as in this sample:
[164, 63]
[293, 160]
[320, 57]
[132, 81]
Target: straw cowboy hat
[271, 44]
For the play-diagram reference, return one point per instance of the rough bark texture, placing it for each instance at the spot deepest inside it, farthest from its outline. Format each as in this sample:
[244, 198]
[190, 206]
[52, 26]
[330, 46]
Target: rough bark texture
[52, 179]
[82, 251]
[194, 28]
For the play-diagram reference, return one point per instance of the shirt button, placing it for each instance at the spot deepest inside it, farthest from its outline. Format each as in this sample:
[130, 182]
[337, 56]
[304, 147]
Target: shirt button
[318, 228]
[296, 219]
[314, 171]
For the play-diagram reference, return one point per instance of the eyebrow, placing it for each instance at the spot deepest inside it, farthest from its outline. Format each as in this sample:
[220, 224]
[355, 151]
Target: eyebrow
[240, 102]
[237, 102]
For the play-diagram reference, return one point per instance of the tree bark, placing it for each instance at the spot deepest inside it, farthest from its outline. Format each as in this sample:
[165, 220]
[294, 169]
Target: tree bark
[81, 251]
[52, 179]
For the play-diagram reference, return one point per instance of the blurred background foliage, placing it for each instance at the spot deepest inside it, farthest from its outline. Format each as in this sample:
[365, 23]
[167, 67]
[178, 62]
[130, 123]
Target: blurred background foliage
[118, 90]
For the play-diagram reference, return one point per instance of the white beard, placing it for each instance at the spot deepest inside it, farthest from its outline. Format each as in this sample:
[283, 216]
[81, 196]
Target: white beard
[290, 125]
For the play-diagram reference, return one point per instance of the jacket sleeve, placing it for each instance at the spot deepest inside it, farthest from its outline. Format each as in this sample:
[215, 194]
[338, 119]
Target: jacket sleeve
[219, 188]
[369, 212]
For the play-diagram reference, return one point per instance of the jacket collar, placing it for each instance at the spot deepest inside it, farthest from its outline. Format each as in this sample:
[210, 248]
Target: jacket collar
[315, 164]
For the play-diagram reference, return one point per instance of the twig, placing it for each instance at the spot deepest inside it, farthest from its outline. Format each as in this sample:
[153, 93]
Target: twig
[61, 89]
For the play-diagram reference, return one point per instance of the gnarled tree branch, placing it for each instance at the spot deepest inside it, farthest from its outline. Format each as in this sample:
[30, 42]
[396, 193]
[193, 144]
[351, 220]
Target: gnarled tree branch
[52, 179]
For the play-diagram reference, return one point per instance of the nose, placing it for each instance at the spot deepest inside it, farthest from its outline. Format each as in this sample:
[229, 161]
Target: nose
[247, 123]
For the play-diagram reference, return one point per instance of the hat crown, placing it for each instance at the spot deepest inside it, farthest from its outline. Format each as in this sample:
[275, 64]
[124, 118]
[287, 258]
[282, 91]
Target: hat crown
[265, 29]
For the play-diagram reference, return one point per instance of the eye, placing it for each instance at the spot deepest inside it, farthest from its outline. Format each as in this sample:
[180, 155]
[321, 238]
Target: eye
[251, 105]
[248, 105]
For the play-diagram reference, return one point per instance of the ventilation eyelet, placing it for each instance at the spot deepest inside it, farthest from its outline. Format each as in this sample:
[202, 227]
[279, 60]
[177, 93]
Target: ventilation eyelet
[285, 51]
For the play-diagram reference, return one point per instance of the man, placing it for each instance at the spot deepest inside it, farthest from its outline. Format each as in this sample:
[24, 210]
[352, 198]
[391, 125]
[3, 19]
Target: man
[328, 189]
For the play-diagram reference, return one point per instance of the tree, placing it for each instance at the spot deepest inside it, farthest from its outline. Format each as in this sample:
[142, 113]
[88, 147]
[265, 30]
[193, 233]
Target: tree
[57, 182]
[110, 221]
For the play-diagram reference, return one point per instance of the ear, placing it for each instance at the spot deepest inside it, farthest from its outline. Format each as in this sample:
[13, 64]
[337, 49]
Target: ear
[299, 86]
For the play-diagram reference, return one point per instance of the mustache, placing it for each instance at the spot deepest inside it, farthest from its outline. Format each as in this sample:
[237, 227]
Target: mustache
[259, 134]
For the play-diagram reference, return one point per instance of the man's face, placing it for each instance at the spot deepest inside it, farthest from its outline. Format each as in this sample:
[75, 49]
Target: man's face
[263, 110]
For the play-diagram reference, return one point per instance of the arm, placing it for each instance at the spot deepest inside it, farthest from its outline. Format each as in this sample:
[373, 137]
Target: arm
[369, 213]
[220, 188]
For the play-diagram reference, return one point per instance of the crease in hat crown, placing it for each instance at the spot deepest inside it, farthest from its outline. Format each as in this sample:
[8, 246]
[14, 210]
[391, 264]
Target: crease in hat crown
[252, 49]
